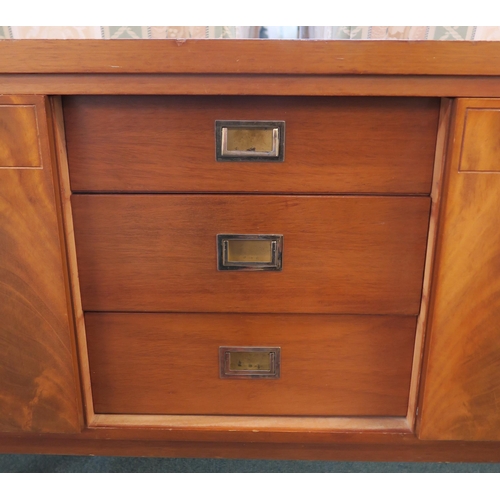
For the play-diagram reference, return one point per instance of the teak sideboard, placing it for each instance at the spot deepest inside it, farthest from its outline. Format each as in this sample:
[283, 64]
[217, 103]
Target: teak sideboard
[250, 248]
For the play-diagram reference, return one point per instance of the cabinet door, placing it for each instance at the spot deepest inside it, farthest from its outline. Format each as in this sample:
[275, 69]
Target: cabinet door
[460, 399]
[38, 387]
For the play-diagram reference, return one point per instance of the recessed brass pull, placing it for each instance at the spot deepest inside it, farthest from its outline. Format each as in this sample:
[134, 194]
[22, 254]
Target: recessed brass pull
[250, 252]
[250, 362]
[249, 140]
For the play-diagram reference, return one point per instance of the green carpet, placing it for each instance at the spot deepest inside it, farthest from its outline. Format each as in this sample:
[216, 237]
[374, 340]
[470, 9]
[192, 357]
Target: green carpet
[59, 463]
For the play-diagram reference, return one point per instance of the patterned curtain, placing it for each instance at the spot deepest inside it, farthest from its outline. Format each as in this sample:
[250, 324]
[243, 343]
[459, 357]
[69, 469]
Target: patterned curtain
[112, 32]
[311, 32]
[404, 32]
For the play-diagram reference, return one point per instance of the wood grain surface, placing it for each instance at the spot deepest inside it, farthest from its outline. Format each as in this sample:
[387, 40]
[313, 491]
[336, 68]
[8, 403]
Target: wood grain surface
[348, 446]
[167, 143]
[37, 381]
[230, 84]
[136, 423]
[251, 56]
[81, 358]
[19, 137]
[330, 365]
[350, 254]
[38, 390]
[480, 150]
[461, 395]
[423, 316]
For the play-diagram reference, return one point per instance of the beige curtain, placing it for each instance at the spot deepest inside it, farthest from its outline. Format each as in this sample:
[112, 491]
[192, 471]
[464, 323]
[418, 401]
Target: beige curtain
[118, 32]
[311, 32]
[404, 32]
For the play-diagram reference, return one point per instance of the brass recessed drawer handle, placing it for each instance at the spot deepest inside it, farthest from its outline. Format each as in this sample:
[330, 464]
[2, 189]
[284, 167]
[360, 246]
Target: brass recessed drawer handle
[249, 252]
[250, 140]
[250, 362]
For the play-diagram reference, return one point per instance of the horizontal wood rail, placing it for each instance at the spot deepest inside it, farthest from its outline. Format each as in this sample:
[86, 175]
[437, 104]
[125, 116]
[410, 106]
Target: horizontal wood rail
[299, 57]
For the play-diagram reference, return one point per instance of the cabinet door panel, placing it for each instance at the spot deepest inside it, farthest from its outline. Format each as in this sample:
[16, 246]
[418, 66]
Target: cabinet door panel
[38, 390]
[461, 392]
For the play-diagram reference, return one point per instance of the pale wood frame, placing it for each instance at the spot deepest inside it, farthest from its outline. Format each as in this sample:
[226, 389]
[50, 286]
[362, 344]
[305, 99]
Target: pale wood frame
[423, 317]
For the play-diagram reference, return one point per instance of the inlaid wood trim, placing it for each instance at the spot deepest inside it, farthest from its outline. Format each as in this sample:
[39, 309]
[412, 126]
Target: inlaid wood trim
[212, 84]
[21, 144]
[255, 424]
[439, 162]
[65, 189]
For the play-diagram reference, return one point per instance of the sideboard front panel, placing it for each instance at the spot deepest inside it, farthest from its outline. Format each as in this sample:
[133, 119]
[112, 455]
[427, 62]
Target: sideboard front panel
[461, 396]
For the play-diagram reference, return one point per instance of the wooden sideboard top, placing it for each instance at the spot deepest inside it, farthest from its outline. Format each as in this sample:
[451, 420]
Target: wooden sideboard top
[321, 57]
[272, 67]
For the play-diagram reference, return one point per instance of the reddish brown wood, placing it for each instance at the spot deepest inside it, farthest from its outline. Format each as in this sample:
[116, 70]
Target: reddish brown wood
[242, 436]
[436, 192]
[330, 365]
[327, 446]
[38, 391]
[350, 255]
[291, 85]
[481, 139]
[74, 299]
[250, 56]
[459, 395]
[370, 145]
[242, 423]
[19, 136]
[462, 383]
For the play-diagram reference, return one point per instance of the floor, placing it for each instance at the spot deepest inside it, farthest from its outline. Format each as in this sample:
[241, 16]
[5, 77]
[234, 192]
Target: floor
[59, 463]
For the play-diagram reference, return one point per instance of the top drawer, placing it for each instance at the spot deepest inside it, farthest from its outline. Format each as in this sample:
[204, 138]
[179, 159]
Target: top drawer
[332, 144]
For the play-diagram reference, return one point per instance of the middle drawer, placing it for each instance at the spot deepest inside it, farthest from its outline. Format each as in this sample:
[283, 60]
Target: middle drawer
[341, 254]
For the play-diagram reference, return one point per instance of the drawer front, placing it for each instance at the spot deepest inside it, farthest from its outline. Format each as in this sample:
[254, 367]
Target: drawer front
[330, 365]
[332, 144]
[341, 254]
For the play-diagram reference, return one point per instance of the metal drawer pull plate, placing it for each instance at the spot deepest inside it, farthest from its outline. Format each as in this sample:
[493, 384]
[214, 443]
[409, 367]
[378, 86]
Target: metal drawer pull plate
[249, 252]
[250, 362]
[249, 140]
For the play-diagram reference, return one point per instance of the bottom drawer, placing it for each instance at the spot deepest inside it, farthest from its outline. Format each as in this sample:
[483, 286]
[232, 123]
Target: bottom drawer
[330, 365]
